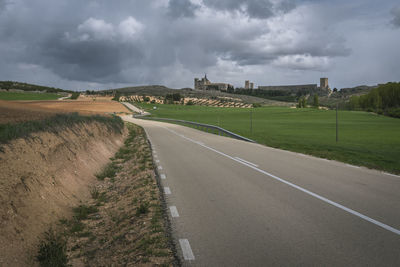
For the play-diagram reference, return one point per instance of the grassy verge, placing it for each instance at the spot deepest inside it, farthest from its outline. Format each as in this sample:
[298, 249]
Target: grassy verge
[123, 222]
[9, 132]
[28, 96]
[365, 139]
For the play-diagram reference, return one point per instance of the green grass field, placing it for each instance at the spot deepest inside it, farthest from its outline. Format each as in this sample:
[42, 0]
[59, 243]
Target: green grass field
[365, 139]
[28, 96]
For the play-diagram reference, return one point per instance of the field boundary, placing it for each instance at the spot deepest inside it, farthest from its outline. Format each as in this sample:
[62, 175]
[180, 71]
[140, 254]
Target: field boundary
[206, 127]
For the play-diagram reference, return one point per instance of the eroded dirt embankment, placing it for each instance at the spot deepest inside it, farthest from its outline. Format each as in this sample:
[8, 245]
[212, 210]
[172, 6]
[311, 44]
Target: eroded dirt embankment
[42, 177]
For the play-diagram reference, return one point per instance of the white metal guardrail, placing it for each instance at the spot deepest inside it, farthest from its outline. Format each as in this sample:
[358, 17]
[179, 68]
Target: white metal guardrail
[206, 127]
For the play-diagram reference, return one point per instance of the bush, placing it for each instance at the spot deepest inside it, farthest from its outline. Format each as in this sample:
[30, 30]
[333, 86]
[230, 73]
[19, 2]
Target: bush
[52, 250]
[109, 171]
[142, 209]
[190, 103]
[75, 95]
[82, 212]
[256, 105]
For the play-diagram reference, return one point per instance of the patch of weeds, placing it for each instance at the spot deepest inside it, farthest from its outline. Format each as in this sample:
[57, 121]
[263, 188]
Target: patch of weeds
[85, 234]
[110, 170]
[52, 250]
[142, 209]
[135, 200]
[76, 226]
[123, 153]
[63, 221]
[82, 211]
[77, 246]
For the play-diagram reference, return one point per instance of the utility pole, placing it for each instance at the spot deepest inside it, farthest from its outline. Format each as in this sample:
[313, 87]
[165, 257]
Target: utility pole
[337, 129]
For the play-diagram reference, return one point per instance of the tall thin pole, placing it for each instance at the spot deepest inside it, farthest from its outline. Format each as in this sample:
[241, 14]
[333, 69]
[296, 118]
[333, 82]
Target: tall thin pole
[337, 128]
[251, 121]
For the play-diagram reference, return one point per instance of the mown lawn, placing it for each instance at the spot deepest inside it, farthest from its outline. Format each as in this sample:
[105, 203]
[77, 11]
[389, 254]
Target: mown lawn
[365, 139]
[28, 96]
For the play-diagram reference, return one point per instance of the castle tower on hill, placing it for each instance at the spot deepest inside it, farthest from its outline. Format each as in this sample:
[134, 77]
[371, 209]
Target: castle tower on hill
[205, 84]
[324, 83]
[248, 85]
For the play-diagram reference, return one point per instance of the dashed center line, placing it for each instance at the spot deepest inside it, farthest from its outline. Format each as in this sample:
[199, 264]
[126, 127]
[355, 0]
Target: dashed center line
[167, 190]
[163, 176]
[158, 161]
[174, 211]
[186, 249]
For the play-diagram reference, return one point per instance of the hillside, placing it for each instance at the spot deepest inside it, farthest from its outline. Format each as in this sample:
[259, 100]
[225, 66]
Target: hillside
[12, 86]
[343, 95]
[162, 91]
[45, 174]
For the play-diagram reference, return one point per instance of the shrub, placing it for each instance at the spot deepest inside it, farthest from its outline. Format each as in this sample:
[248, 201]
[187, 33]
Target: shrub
[52, 250]
[256, 105]
[109, 171]
[190, 103]
[82, 212]
[75, 95]
[142, 209]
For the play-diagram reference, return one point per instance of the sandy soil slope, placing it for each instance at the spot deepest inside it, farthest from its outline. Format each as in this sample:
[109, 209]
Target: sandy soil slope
[41, 178]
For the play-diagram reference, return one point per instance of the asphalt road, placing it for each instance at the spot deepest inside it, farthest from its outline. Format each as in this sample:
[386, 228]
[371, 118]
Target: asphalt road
[234, 203]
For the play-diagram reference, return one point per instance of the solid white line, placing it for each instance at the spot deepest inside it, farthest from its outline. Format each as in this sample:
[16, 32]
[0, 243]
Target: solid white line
[160, 167]
[394, 175]
[174, 211]
[186, 249]
[167, 190]
[163, 176]
[255, 165]
[360, 215]
[357, 167]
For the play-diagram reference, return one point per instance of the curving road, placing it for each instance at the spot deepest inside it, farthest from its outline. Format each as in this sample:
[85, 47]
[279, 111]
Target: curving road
[234, 203]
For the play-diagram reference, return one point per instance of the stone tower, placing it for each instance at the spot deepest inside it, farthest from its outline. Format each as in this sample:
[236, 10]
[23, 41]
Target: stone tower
[324, 83]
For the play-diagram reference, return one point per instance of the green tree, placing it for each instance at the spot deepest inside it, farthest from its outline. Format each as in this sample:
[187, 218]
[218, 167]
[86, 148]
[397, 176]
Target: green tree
[316, 101]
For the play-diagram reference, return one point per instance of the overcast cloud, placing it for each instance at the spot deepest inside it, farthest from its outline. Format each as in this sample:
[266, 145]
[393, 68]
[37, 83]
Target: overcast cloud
[101, 44]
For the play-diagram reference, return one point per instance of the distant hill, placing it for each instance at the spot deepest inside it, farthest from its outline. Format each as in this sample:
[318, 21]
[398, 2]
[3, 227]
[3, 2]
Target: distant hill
[11, 85]
[155, 90]
[343, 95]
[161, 91]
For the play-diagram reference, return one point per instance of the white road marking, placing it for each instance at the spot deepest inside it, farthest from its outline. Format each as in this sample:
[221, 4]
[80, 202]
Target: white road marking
[394, 175]
[186, 249]
[155, 156]
[160, 167]
[255, 165]
[357, 167]
[167, 190]
[337, 205]
[174, 211]
[158, 161]
[163, 176]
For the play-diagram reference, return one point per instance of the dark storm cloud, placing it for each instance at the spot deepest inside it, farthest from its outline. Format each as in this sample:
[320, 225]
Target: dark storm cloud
[253, 8]
[181, 8]
[396, 16]
[161, 41]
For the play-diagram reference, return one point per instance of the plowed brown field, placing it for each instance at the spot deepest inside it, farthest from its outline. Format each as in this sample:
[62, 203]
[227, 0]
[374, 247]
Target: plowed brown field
[17, 111]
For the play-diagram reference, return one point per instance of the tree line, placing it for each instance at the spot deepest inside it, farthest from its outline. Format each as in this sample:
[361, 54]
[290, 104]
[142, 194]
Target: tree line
[8, 85]
[385, 99]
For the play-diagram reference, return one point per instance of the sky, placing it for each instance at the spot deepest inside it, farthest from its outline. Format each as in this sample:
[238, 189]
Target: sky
[102, 44]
